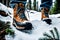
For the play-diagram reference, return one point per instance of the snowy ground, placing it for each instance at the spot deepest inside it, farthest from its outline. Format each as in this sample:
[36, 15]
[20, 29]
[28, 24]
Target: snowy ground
[40, 27]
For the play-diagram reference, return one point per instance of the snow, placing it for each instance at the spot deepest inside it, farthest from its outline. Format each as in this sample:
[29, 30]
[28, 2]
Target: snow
[8, 11]
[34, 17]
[40, 27]
[3, 7]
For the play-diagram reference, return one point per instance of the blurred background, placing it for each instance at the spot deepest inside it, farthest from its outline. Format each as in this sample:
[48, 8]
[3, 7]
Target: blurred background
[35, 5]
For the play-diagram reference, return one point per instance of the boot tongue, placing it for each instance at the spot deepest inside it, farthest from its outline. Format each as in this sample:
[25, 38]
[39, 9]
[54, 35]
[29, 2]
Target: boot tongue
[22, 16]
[46, 14]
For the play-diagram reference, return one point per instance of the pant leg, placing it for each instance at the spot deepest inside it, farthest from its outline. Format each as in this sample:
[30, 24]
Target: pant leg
[13, 2]
[46, 3]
